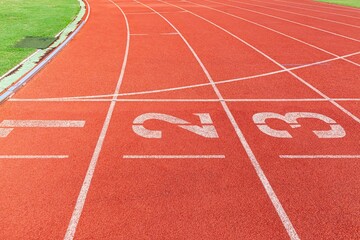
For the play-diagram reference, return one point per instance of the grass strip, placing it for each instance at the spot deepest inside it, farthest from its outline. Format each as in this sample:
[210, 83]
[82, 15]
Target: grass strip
[38, 18]
[351, 3]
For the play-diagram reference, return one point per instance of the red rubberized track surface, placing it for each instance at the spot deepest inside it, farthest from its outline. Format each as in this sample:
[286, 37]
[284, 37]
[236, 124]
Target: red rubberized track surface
[199, 119]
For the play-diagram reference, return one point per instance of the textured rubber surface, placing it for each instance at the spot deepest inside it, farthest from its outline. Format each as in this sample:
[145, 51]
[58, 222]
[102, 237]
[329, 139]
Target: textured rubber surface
[176, 154]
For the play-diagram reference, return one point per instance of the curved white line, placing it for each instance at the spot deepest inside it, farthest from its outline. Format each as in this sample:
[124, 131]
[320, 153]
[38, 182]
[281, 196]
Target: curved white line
[295, 13]
[294, 22]
[311, 9]
[338, 7]
[297, 23]
[89, 10]
[270, 29]
[269, 190]
[70, 232]
[201, 84]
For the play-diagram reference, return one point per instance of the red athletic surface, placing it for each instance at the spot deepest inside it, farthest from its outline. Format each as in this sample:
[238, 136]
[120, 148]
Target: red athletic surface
[215, 198]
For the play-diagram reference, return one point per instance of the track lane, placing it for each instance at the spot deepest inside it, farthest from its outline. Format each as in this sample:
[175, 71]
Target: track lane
[315, 192]
[37, 193]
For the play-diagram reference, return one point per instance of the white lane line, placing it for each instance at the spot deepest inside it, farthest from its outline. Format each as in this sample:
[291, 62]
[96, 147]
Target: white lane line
[171, 33]
[42, 123]
[186, 100]
[70, 232]
[319, 156]
[338, 8]
[172, 156]
[33, 156]
[152, 13]
[146, 34]
[204, 84]
[294, 22]
[355, 118]
[266, 184]
[273, 30]
[295, 13]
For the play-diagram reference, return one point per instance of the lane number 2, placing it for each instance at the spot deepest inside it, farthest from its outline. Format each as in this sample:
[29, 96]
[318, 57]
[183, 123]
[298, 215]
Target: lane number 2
[206, 129]
[336, 130]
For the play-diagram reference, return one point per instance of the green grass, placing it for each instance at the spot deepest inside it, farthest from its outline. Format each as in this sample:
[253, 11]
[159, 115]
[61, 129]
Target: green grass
[353, 3]
[20, 18]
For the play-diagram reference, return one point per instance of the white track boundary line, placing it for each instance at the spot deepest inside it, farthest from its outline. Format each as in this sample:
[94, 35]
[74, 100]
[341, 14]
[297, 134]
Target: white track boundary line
[201, 84]
[269, 190]
[355, 118]
[295, 13]
[273, 30]
[70, 232]
[318, 156]
[313, 10]
[33, 156]
[172, 156]
[297, 23]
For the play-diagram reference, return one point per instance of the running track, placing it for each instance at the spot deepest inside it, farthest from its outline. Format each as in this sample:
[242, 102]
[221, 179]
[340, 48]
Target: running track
[105, 143]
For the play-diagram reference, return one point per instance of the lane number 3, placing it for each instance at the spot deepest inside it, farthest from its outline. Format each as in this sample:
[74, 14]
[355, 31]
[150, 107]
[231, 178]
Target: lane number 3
[336, 130]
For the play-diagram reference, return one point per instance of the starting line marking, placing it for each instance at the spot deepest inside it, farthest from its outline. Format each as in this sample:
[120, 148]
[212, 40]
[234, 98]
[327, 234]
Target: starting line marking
[180, 100]
[33, 156]
[7, 126]
[319, 156]
[42, 123]
[172, 156]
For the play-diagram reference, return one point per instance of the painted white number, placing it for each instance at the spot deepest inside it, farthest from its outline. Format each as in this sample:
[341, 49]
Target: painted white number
[206, 130]
[336, 131]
